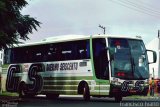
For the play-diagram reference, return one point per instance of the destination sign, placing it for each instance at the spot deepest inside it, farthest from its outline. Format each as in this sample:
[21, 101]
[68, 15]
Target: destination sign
[62, 66]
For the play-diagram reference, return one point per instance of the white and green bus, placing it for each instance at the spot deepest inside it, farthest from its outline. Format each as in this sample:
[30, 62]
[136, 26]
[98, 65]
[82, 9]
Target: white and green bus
[97, 66]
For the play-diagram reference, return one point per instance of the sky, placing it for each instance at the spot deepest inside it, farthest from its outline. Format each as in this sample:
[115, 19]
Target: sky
[82, 17]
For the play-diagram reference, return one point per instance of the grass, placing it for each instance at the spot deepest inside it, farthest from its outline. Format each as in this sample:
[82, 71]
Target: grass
[5, 66]
[8, 94]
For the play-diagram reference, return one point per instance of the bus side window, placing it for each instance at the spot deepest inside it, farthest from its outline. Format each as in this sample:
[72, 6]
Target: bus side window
[75, 50]
[83, 49]
[83, 54]
[51, 52]
[67, 51]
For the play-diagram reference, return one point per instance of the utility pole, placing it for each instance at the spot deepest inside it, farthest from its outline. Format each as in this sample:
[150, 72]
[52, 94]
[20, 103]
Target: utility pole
[153, 74]
[104, 28]
[158, 57]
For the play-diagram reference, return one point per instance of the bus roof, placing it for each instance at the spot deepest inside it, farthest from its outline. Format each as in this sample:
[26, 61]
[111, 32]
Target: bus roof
[65, 38]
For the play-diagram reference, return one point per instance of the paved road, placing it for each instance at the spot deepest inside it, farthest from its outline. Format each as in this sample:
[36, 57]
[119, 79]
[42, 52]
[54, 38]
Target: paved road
[74, 101]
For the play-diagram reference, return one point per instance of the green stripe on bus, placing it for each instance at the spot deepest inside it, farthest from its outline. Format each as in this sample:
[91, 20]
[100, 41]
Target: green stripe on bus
[101, 88]
[69, 92]
[69, 78]
[72, 92]
[99, 93]
[70, 82]
[104, 82]
[71, 87]
[61, 87]
[63, 83]
[94, 93]
[104, 93]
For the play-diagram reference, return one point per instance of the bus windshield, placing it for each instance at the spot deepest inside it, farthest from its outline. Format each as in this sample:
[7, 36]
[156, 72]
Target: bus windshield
[128, 59]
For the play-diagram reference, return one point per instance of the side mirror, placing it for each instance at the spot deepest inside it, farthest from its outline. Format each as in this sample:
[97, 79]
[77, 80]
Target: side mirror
[152, 56]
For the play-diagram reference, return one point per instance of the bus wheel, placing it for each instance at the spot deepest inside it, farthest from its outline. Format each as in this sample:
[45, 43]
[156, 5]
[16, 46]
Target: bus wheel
[22, 92]
[118, 98]
[52, 96]
[86, 93]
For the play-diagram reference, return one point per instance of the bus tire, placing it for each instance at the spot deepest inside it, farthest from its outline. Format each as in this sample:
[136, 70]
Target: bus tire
[52, 96]
[86, 93]
[145, 92]
[22, 88]
[118, 98]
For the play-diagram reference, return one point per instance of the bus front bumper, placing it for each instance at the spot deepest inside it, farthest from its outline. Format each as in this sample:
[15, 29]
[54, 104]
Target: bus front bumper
[130, 90]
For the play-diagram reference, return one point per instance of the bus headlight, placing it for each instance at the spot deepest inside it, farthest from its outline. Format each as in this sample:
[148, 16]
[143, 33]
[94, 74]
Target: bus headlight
[118, 83]
[114, 82]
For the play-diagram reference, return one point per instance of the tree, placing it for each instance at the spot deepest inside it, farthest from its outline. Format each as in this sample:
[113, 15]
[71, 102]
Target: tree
[13, 25]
